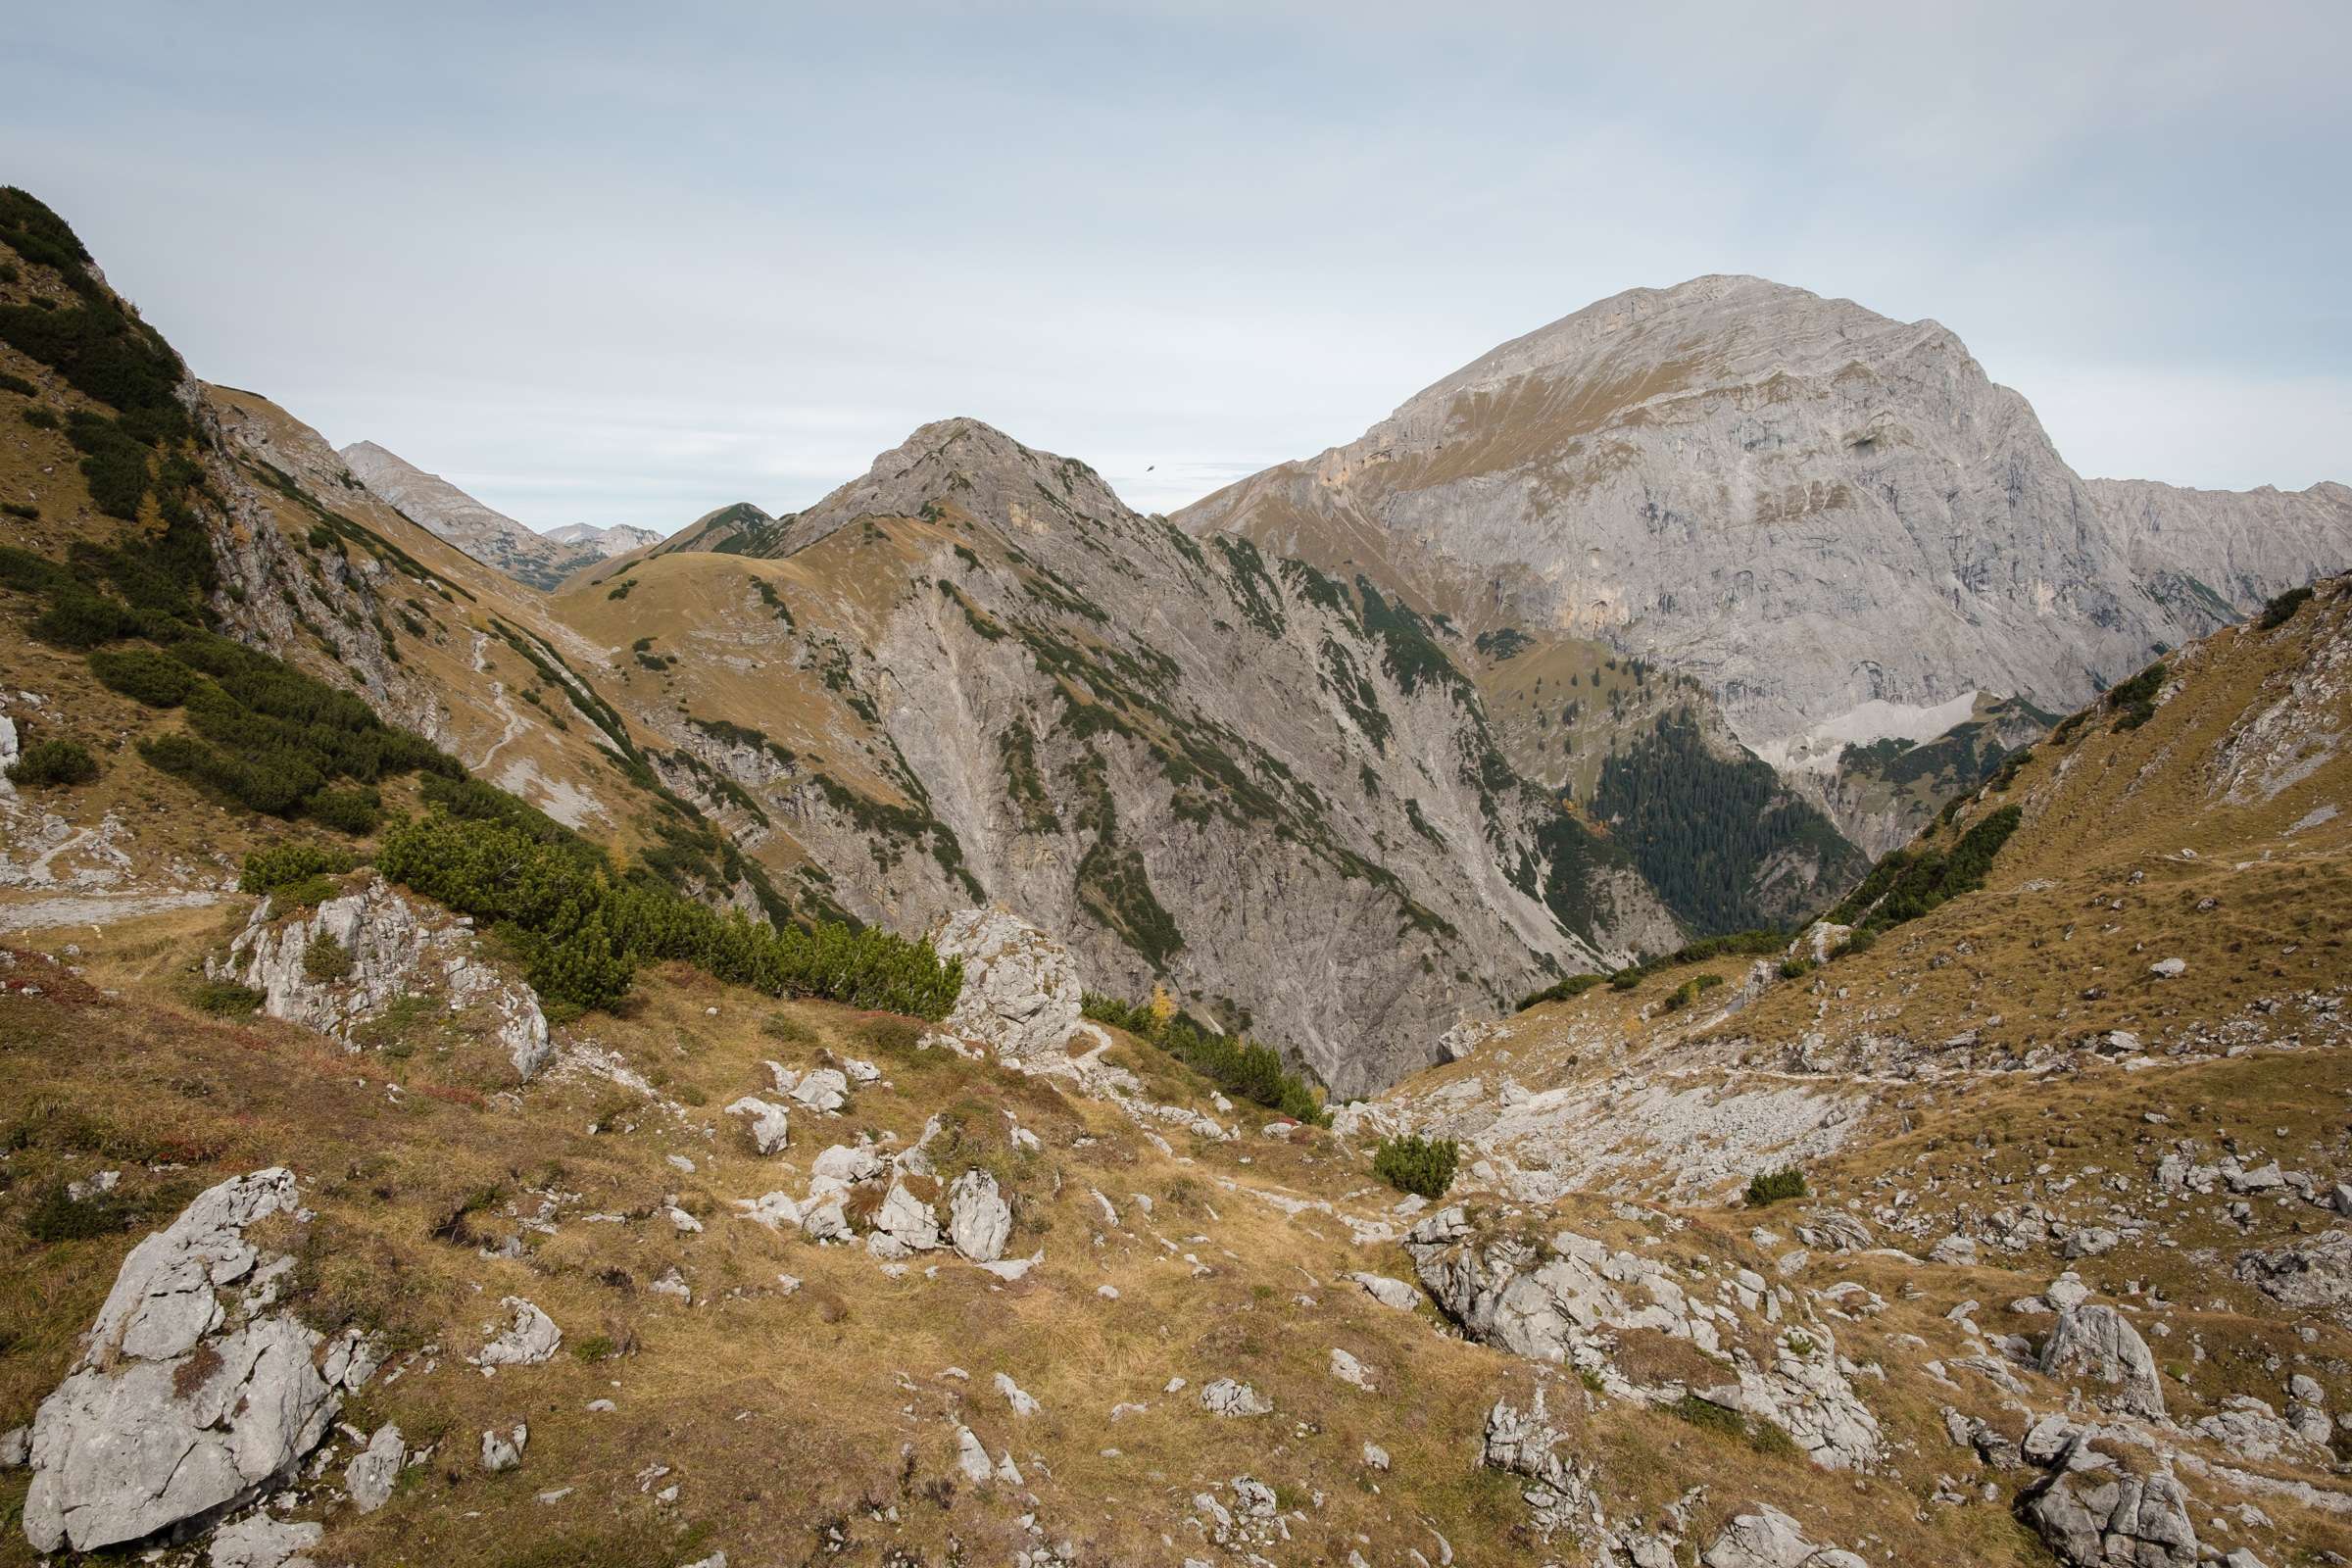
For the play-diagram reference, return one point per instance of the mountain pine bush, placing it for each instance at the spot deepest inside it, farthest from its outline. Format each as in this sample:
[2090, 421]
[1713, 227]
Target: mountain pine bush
[582, 926]
[63, 762]
[1768, 1187]
[1415, 1165]
[1233, 1063]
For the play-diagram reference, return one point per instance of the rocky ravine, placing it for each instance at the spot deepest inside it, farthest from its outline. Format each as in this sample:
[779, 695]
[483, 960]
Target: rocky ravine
[1806, 505]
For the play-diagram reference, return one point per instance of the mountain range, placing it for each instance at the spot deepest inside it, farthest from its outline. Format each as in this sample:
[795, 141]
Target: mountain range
[734, 1058]
[1654, 624]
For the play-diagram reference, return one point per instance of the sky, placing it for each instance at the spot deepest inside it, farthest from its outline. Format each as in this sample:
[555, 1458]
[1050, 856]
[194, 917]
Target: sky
[627, 264]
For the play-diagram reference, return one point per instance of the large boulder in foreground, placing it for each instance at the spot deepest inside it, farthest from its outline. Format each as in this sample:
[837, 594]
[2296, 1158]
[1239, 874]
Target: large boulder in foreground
[190, 1398]
[1021, 993]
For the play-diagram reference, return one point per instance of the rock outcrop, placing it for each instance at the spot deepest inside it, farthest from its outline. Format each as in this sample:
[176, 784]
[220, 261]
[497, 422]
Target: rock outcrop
[344, 963]
[1569, 1300]
[1020, 995]
[191, 1397]
[2093, 1513]
[1770, 1538]
[2099, 1342]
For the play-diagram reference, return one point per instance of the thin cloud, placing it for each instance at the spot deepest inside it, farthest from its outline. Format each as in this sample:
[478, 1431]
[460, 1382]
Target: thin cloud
[629, 268]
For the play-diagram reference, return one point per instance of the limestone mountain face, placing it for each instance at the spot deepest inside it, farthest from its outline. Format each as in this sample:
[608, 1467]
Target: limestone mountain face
[1831, 520]
[618, 540]
[975, 672]
[483, 532]
[2192, 547]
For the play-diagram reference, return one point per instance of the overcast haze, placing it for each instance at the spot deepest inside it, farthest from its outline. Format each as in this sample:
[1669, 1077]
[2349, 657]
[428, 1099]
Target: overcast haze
[627, 264]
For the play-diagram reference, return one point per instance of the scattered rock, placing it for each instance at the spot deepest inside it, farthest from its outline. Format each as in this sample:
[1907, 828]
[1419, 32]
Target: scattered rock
[2099, 1518]
[1348, 1369]
[826, 1088]
[1770, 1538]
[1022, 1402]
[2314, 1274]
[397, 947]
[527, 1342]
[370, 1478]
[770, 1124]
[1225, 1396]
[260, 1541]
[505, 1452]
[1388, 1292]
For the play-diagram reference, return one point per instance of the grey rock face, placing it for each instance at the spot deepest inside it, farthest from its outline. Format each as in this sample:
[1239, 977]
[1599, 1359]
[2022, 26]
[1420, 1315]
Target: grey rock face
[2240, 547]
[489, 536]
[1227, 1398]
[397, 947]
[2100, 1344]
[1770, 1538]
[1811, 508]
[2313, 1275]
[618, 540]
[1020, 992]
[260, 1541]
[1189, 762]
[189, 1400]
[370, 1477]
[1567, 1302]
[2098, 1518]
[980, 1221]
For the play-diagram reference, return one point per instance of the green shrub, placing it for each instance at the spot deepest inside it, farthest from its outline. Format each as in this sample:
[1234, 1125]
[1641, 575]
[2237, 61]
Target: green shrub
[2133, 701]
[1860, 940]
[1233, 1063]
[1797, 969]
[226, 1000]
[2281, 610]
[1568, 990]
[56, 1215]
[1690, 991]
[1705, 1413]
[54, 762]
[144, 675]
[283, 864]
[1417, 1164]
[22, 509]
[354, 810]
[326, 958]
[1768, 1187]
[1908, 883]
[581, 927]
[17, 383]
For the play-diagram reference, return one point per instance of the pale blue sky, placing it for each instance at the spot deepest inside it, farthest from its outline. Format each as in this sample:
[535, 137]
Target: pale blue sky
[622, 265]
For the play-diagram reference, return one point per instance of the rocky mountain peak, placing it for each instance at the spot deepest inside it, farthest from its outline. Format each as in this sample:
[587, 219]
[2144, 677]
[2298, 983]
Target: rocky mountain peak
[1717, 328]
[964, 465]
[483, 532]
